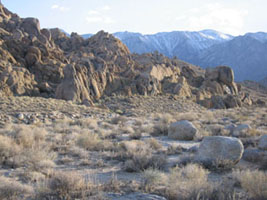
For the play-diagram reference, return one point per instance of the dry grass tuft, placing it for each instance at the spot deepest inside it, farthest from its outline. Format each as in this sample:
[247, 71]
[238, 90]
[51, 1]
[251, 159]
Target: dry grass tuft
[189, 182]
[154, 143]
[141, 161]
[91, 141]
[190, 116]
[254, 182]
[63, 185]
[162, 124]
[13, 190]
[141, 158]
[118, 120]
[136, 135]
[153, 178]
[23, 146]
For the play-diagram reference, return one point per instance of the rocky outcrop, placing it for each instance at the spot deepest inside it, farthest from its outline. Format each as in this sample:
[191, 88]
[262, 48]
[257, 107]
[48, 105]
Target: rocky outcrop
[220, 151]
[182, 130]
[73, 87]
[219, 90]
[49, 63]
[17, 80]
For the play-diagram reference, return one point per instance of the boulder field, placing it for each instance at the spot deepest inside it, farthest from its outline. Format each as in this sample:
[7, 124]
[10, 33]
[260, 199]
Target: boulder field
[48, 63]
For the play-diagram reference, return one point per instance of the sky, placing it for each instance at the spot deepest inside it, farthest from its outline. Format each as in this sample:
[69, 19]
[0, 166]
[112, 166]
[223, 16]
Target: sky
[235, 17]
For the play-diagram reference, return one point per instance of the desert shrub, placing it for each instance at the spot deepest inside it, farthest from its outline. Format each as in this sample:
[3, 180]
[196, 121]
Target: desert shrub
[161, 125]
[190, 116]
[143, 159]
[63, 185]
[88, 123]
[152, 178]
[91, 141]
[136, 135]
[217, 130]
[118, 120]
[154, 144]
[13, 190]
[174, 150]
[36, 159]
[8, 148]
[25, 135]
[189, 182]
[15, 151]
[254, 182]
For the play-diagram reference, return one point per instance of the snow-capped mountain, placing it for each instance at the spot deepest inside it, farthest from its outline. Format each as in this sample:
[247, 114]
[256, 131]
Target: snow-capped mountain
[184, 44]
[246, 54]
[171, 43]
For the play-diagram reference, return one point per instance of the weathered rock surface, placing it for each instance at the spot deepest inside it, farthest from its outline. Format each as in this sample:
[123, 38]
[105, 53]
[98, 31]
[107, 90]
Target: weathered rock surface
[182, 130]
[219, 150]
[241, 130]
[253, 155]
[51, 64]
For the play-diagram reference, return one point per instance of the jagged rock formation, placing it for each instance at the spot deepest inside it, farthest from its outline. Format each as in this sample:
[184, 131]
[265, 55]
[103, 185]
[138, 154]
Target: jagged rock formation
[43, 62]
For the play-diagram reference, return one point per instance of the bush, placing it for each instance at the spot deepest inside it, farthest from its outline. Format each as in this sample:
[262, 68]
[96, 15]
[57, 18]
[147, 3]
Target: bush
[189, 182]
[153, 178]
[63, 185]
[11, 189]
[254, 182]
[8, 149]
[91, 141]
[162, 125]
[136, 135]
[142, 159]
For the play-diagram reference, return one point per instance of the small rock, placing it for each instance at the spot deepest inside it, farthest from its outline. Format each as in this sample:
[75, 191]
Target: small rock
[263, 142]
[230, 127]
[20, 116]
[215, 150]
[182, 130]
[241, 130]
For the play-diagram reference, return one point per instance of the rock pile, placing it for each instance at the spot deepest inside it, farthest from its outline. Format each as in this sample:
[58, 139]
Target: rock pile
[48, 63]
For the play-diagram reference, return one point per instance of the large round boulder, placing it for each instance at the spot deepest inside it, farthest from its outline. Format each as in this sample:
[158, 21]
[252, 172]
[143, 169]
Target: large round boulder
[31, 26]
[182, 130]
[220, 151]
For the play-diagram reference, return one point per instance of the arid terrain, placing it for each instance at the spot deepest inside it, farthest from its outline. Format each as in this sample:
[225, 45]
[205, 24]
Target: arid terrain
[86, 119]
[120, 149]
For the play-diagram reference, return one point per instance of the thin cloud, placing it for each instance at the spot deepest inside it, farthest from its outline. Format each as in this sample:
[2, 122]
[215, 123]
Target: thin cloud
[93, 12]
[60, 8]
[106, 8]
[55, 6]
[215, 16]
[100, 19]
[99, 16]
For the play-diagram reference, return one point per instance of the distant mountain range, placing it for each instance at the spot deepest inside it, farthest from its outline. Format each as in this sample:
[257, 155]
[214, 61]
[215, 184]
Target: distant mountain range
[246, 54]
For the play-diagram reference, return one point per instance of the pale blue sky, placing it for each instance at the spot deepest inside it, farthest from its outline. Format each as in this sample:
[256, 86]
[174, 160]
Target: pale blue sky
[145, 16]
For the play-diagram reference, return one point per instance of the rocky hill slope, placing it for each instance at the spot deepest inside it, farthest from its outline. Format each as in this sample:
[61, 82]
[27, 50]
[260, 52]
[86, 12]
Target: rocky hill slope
[207, 48]
[48, 63]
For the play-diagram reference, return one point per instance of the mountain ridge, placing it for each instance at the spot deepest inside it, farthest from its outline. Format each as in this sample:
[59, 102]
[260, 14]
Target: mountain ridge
[196, 47]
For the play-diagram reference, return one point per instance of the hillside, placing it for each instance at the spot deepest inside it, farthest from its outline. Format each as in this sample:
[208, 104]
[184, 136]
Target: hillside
[48, 63]
[208, 48]
[87, 119]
